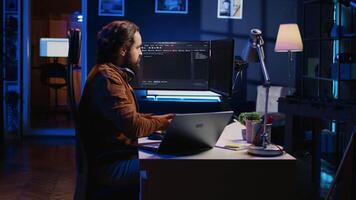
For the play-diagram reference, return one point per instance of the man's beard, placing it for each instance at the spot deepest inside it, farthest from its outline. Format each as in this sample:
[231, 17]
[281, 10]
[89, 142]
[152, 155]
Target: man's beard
[135, 66]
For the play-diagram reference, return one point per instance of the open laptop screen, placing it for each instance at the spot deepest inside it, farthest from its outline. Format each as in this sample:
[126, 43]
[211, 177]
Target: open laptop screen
[189, 133]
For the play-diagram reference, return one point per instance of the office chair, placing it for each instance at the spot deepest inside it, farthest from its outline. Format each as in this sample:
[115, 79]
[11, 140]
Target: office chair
[54, 70]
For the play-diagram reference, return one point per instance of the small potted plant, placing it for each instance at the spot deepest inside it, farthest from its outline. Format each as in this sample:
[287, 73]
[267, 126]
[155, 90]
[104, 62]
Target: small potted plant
[249, 119]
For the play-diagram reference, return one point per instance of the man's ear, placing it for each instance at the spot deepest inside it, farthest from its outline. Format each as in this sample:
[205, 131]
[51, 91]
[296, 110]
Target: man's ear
[123, 51]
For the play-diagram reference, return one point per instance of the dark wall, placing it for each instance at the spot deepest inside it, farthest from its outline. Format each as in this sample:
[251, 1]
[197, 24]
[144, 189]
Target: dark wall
[1, 88]
[153, 27]
[201, 23]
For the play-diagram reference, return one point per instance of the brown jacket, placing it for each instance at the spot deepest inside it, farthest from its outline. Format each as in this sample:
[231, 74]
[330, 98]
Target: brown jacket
[108, 116]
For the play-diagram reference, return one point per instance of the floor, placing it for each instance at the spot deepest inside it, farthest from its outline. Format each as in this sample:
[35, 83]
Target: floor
[44, 169]
[38, 169]
[59, 117]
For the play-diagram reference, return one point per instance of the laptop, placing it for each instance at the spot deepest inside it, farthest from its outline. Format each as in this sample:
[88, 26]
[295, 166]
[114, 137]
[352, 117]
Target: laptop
[191, 133]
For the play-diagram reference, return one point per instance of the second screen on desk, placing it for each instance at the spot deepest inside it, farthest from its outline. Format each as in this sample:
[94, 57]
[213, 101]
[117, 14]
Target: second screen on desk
[197, 65]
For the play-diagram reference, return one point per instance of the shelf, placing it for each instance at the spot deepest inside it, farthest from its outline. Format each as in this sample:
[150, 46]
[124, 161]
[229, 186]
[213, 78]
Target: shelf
[318, 1]
[348, 80]
[344, 37]
[328, 79]
[318, 78]
[325, 2]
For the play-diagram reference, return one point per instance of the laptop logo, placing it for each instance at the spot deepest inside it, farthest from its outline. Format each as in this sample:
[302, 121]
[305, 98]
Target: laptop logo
[200, 125]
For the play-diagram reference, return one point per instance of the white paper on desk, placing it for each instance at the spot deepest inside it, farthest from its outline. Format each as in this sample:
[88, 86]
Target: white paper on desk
[231, 134]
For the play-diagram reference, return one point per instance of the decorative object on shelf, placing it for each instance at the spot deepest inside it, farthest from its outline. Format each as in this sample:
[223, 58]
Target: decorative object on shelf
[230, 9]
[327, 27]
[255, 43]
[171, 6]
[334, 32]
[289, 40]
[343, 68]
[111, 7]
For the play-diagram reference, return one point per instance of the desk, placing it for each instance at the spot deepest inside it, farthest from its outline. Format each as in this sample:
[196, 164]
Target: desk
[217, 173]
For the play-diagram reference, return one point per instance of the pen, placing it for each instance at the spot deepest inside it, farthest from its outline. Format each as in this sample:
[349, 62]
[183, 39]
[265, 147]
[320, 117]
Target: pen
[228, 148]
[231, 148]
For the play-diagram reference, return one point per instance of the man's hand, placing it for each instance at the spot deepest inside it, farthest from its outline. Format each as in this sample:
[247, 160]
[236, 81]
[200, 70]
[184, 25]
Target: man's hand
[168, 117]
[165, 119]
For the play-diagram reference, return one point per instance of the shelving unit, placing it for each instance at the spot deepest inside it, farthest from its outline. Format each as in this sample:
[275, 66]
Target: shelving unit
[327, 90]
[11, 66]
[329, 57]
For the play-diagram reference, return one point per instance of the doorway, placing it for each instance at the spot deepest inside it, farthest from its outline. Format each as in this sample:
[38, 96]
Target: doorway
[48, 103]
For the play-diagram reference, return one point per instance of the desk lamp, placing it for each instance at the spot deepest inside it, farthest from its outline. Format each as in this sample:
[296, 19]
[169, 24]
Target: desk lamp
[253, 52]
[289, 40]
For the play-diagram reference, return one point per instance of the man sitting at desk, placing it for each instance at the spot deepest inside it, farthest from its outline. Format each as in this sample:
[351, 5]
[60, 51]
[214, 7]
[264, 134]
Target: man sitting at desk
[109, 120]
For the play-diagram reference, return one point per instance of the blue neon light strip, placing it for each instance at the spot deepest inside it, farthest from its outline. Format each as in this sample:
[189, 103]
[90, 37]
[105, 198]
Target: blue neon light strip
[181, 93]
[335, 84]
[184, 98]
[335, 53]
[26, 64]
[84, 43]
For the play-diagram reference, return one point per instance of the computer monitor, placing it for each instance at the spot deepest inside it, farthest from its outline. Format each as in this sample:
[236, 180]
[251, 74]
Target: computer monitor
[221, 66]
[195, 65]
[174, 65]
[54, 47]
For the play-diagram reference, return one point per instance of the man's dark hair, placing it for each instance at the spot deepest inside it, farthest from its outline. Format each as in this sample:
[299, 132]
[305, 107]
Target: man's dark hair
[112, 37]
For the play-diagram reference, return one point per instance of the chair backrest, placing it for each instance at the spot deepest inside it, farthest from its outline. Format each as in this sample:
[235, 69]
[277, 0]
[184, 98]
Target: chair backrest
[53, 70]
[274, 93]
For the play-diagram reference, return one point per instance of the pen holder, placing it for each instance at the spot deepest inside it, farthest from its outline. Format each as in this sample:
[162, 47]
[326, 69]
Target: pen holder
[257, 132]
[249, 129]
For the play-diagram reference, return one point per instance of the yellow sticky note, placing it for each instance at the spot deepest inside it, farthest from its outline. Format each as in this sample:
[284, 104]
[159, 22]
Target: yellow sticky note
[233, 145]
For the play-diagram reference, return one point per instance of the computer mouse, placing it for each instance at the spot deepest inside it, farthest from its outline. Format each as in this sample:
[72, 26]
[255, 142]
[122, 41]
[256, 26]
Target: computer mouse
[155, 136]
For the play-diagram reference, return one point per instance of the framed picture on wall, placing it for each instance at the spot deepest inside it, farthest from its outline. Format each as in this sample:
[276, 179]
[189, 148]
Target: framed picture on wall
[231, 9]
[111, 7]
[171, 6]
